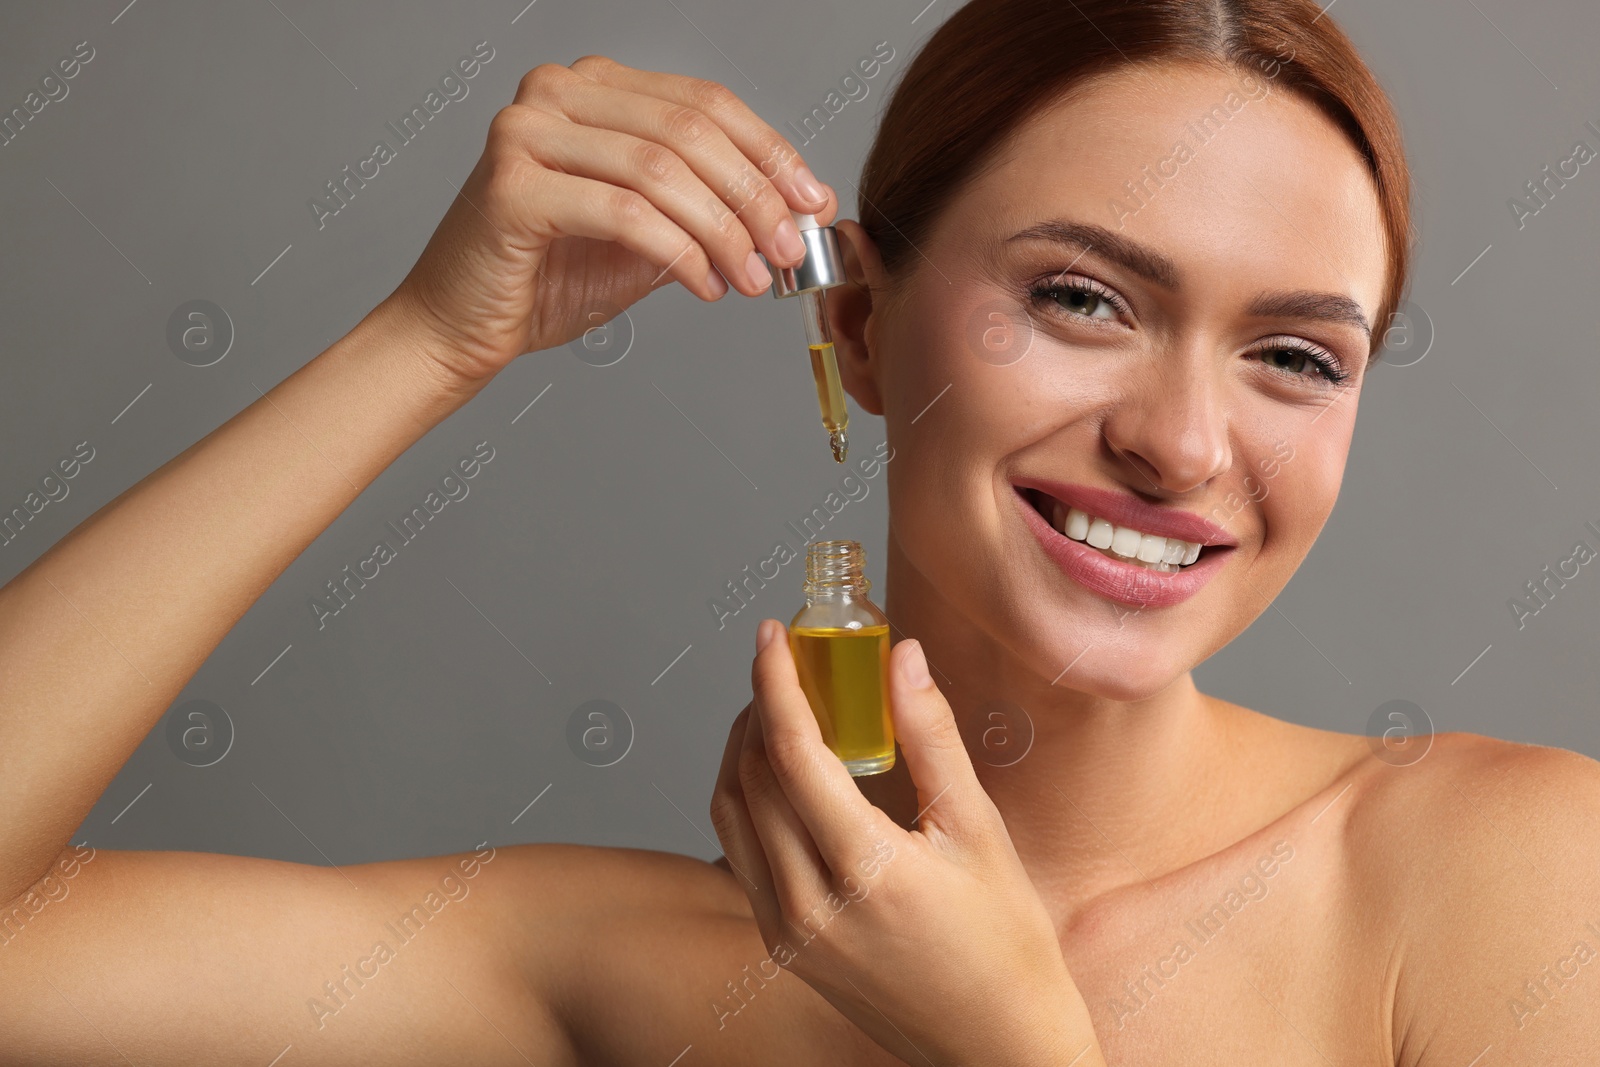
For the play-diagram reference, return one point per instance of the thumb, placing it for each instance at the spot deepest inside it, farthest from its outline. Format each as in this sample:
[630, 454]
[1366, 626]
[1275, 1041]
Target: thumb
[949, 796]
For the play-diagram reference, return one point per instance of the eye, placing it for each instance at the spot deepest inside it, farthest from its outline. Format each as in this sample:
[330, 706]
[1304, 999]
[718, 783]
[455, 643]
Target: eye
[1080, 297]
[1299, 360]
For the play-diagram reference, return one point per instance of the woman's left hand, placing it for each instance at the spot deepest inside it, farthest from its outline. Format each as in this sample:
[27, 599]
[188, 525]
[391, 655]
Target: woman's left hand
[934, 941]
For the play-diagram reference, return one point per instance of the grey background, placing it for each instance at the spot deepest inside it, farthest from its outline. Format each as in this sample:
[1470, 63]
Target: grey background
[410, 726]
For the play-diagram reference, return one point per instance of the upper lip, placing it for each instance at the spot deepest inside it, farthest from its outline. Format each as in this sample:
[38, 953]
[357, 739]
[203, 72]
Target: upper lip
[1123, 509]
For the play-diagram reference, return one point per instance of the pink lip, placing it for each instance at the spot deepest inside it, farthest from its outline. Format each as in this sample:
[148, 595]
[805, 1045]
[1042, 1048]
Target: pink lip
[1127, 582]
[1121, 509]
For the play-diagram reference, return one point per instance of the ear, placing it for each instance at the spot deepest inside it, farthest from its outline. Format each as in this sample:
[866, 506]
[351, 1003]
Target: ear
[850, 308]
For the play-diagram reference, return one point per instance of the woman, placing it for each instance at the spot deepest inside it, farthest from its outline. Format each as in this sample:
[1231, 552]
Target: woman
[1119, 272]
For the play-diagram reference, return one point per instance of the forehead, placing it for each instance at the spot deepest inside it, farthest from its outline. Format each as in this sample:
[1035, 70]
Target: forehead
[1237, 180]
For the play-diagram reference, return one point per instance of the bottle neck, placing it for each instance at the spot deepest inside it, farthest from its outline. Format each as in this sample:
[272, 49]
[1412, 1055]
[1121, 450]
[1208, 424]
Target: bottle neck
[835, 571]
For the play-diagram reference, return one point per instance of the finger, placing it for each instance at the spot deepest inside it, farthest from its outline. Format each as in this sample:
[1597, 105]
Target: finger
[731, 820]
[775, 158]
[842, 823]
[950, 798]
[746, 211]
[748, 206]
[655, 172]
[547, 203]
[799, 873]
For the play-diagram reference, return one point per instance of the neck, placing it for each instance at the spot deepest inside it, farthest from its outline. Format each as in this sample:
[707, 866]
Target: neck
[1092, 790]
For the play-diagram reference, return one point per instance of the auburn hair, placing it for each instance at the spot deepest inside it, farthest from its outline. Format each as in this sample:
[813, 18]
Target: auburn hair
[994, 63]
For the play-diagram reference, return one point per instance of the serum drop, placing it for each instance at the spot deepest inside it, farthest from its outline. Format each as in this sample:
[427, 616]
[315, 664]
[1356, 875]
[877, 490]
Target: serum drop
[840, 643]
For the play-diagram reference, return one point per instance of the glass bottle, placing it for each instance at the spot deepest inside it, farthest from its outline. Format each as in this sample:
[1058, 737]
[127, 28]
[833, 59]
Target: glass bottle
[840, 643]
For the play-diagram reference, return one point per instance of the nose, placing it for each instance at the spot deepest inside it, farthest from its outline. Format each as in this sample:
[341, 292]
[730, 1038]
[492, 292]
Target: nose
[1172, 427]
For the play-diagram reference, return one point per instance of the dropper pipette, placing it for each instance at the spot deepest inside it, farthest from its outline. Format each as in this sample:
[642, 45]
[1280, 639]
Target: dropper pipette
[821, 269]
[825, 370]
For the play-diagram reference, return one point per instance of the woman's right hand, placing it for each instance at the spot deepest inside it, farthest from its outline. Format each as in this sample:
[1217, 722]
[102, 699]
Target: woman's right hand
[597, 185]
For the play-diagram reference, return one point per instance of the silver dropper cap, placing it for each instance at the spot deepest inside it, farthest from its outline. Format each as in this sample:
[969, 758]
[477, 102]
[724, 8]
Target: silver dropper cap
[823, 266]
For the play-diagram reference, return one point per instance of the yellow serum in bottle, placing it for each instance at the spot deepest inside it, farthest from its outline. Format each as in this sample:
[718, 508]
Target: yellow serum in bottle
[840, 643]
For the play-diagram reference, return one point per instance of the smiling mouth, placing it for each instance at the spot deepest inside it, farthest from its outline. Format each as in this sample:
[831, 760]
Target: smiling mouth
[1164, 555]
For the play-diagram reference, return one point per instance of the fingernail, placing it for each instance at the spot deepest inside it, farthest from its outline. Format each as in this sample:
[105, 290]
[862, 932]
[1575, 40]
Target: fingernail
[788, 238]
[806, 184]
[760, 277]
[715, 283]
[765, 633]
[914, 666]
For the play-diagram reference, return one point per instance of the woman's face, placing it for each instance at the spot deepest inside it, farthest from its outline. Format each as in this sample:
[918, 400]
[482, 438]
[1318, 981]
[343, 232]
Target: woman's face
[1139, 311]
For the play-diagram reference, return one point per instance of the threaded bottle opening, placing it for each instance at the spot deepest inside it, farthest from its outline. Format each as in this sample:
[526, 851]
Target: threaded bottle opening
[835, 567]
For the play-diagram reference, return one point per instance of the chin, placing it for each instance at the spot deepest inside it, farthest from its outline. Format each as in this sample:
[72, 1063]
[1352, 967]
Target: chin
[1127, 662]
[1071, 640]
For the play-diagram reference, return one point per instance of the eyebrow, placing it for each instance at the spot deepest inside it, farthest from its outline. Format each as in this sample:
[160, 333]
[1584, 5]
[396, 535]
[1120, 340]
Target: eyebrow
[1147, 263]
[1305, 304]
[1154, 267]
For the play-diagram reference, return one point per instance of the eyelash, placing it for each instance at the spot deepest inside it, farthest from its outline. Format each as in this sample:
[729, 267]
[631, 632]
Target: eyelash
[1049, 290]
[1044, 292]
[1326, 364]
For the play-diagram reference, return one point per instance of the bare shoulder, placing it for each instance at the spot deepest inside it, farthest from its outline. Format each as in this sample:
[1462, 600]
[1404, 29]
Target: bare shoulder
[1476, 799]
[1480, 864]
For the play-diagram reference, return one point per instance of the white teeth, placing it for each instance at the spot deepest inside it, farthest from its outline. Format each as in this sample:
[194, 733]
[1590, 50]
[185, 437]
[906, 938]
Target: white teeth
[1123, 542]
[1077, 526]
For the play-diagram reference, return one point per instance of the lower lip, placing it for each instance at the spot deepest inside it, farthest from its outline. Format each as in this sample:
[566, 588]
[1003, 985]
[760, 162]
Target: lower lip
[1126, 583]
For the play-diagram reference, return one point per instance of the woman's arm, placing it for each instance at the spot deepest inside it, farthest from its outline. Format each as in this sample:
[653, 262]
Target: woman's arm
[598, 185]
[100, 634]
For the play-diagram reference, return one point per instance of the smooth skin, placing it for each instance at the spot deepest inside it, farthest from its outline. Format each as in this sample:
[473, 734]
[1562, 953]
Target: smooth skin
[1021, 918]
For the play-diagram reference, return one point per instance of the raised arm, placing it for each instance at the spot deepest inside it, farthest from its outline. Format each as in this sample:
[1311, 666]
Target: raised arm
[600, 184]
[99, 635]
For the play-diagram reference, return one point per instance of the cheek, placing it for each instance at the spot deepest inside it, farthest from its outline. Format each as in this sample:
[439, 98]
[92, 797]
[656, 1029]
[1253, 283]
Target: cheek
[927, 416]
[977, 378]
[953, 419]
[963, 416]
[1301, 495]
